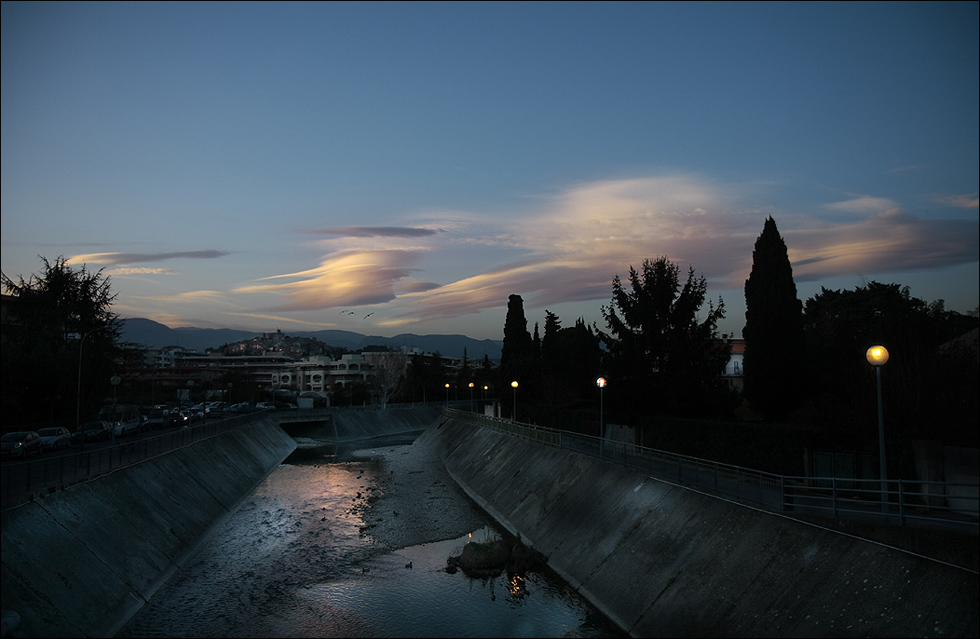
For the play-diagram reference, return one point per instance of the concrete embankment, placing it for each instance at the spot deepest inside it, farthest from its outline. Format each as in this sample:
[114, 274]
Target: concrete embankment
[82, 561]
[342, 424]
[663, 560]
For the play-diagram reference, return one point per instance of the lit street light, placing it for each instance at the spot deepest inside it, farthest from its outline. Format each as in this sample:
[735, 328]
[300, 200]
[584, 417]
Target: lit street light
[601, 383]
[877, 356]
[513, 385]
[447, 395]
[471, 397]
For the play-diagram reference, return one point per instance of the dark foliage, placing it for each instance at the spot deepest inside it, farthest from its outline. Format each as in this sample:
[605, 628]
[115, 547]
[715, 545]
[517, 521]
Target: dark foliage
[662, 358]
[59, 344]
[930, 383]
[518, 357]
[773, 329]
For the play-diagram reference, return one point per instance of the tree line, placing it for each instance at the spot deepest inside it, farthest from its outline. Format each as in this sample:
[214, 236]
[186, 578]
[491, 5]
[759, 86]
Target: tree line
[659, 349]
[804, 363]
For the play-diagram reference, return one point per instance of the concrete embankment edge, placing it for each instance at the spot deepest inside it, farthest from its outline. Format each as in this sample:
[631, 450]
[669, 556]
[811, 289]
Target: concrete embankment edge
[663, 560]
[82, 561]
[356, 424]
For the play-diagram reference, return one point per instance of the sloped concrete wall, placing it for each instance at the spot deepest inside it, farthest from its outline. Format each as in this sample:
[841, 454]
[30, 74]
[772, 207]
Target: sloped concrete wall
[376, 422]
[340, 424]
[664, 561]
[81, 562]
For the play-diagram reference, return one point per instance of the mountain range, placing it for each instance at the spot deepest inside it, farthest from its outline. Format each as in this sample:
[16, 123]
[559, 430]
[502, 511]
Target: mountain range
[152, 334]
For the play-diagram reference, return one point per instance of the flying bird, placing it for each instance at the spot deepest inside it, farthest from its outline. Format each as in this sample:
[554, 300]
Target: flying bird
[368, 315]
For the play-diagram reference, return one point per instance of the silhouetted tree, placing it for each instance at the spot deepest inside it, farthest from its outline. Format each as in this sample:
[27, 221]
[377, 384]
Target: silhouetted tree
[57, 324]
[571, 358]
[773, 329]
[517, 355]
[426, 377]
[663, 358]
[842, 324]
[390, 368]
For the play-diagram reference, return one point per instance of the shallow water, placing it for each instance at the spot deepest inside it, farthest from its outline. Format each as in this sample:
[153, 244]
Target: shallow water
[295, 561]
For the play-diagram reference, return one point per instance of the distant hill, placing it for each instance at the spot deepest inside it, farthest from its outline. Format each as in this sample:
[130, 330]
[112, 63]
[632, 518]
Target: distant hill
[155, 335]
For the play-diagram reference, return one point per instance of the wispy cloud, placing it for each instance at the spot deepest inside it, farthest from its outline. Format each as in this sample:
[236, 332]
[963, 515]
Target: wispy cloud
[864, 204]
[186, 296]
[373, 231]
[345, 278]
[567, 247]
[970, 201]
[285, 320]
[120, 259]
[140, 271]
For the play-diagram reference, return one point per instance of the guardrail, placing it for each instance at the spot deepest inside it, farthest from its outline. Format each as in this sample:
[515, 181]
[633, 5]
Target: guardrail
[904, 502]
[22, 480]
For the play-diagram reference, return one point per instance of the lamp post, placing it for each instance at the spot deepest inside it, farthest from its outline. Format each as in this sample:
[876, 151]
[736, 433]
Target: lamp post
[447, 394]
[601, 383]
[513, 385]
[877, 356]
[471, 396]
[78, 393]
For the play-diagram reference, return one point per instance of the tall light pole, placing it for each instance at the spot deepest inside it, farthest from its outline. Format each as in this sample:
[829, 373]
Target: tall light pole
[471, 396]
[877, 356]
[447, 394]
[78, 393]
[601, 383]
[513, 385]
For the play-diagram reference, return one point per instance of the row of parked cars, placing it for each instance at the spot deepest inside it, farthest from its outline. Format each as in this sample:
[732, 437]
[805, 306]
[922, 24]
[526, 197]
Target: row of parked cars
[29, 442]
[113, 420]
[118, 420]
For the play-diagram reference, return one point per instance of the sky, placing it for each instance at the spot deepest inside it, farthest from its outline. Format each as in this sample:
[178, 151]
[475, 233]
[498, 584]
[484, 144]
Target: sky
[393, 168]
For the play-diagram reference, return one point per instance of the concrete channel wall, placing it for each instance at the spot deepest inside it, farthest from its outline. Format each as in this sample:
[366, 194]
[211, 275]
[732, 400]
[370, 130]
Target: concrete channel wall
[665, 561]
[358, 424]
[80, 562]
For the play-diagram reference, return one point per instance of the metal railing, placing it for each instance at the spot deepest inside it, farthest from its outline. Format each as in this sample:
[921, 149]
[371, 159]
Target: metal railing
[905, 502]
[21, 480]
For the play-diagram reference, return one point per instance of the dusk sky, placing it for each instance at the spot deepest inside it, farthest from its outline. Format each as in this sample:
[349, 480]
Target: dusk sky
[388, 168]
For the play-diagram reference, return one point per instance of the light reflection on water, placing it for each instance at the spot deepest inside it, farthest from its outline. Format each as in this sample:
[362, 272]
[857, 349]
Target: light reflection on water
[389, 599]
[293, 561]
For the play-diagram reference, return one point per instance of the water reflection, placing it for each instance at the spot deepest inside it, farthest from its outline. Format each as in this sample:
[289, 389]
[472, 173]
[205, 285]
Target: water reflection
[294, 560]
[394, 600]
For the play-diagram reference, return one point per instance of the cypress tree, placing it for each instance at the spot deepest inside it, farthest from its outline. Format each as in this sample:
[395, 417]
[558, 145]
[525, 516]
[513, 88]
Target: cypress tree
[774, 337]
[517, 353]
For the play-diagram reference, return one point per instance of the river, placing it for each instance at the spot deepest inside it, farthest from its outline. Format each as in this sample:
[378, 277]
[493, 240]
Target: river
[317, 550]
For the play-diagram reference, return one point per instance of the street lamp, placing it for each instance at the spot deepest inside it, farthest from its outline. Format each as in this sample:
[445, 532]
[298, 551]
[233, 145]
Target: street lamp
[447, 394]
[78, 393]
[601, 383]
[471, 396]
[513, 385]
[877, 356]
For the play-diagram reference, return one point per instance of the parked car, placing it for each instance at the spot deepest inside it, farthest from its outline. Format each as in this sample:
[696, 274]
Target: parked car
[21, 444]
[96, 431]
[54, 438]
[157, 418]
[177, 419]
[125, 418]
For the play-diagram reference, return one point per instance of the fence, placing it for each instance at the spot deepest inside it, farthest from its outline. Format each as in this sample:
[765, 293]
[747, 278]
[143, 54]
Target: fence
[920, 503]
[22, 479]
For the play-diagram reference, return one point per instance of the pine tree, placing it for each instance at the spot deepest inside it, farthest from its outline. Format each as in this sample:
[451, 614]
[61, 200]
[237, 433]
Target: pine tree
[773, 332]
[662, 355]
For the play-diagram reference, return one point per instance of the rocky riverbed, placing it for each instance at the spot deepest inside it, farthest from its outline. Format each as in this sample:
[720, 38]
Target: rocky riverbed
[415, 500]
